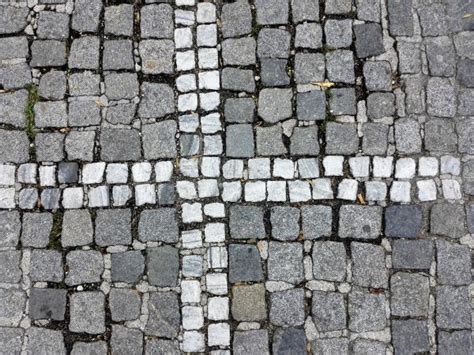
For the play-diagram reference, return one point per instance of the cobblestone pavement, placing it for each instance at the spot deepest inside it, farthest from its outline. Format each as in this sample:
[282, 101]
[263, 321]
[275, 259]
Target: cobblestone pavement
[248, 177]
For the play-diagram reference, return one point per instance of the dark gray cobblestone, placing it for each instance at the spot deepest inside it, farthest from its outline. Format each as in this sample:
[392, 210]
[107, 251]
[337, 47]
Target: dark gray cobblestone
[248, 177]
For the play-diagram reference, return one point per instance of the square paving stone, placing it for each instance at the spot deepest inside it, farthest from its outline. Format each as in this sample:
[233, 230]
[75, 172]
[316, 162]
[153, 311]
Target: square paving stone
[366, 346]
[400, 18]
[87, 311]
[120, 144]
[285, 223]
[46, 265]
[368, 40]
[440, 97]
[239, 51]
[118, 54]
[239, 110]
[159, 140]
[15, 76]
[11, 339]
[329, 261]
[10, 271]
[121, 113]
[244, 263]
[304, 141]
[272, 12]
[459, 342]
[289, 340]
[470, 218]
[14, 146]
[86, 15]
[240, 141]
[305, 10]
[47, 303]
[380, 104]
[378, 76]
[236, 19]
[441, 56]
[338, 33]
[273, 72]
[340, 66]
[292, 270]
[453, 307]
[331, 346]
[76, 228]
[464, 72]
[163, 266]
[156, 21]
[250, 342]
[49, 147]
[407, 136]
[12, 108]
[36, 229]
[248, 303]
[161, 346]
[270, 141]
[44, 341]
[12, 307]
[453, 263]
[157, 56]
[83, 84]
[316, 221]
[234, 79]
[121, 85]
[48, 53]
[409, 295]
[128, 266]
[158, 225]
[375, 139]
[341, 138]
[84, 113]
[124, 304]
[311, 106]
[52, 85]
[403, 221]
[440, 136]
[410, 336]
[433, 20]
[329, 311]
[84, 266]
[309, 68]
[119, 20]
[360, 222]
[79, 145]
[447, 220]
[275, 104]
[366, 312]
[113, 227]
[412, 254]
[273, 43]
[465, 130]
[309, 35]
[84, 53]
[96, 347]
[337, 7]
[126, 341]
[368, 265]
[13, 19]
[164, 316]
[342, 101]
[287, 307]
[157, 100]
[53, 25]
[13, 47]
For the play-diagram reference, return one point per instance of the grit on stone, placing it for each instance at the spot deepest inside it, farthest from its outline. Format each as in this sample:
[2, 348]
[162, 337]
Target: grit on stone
[236, 177]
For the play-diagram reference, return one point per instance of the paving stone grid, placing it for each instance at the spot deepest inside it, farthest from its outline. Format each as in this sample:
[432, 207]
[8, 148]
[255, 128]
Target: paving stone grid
[248, 177]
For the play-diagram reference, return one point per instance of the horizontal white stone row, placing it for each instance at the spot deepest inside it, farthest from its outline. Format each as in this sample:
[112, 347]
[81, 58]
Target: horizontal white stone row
[88, 173]
[332, 165]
